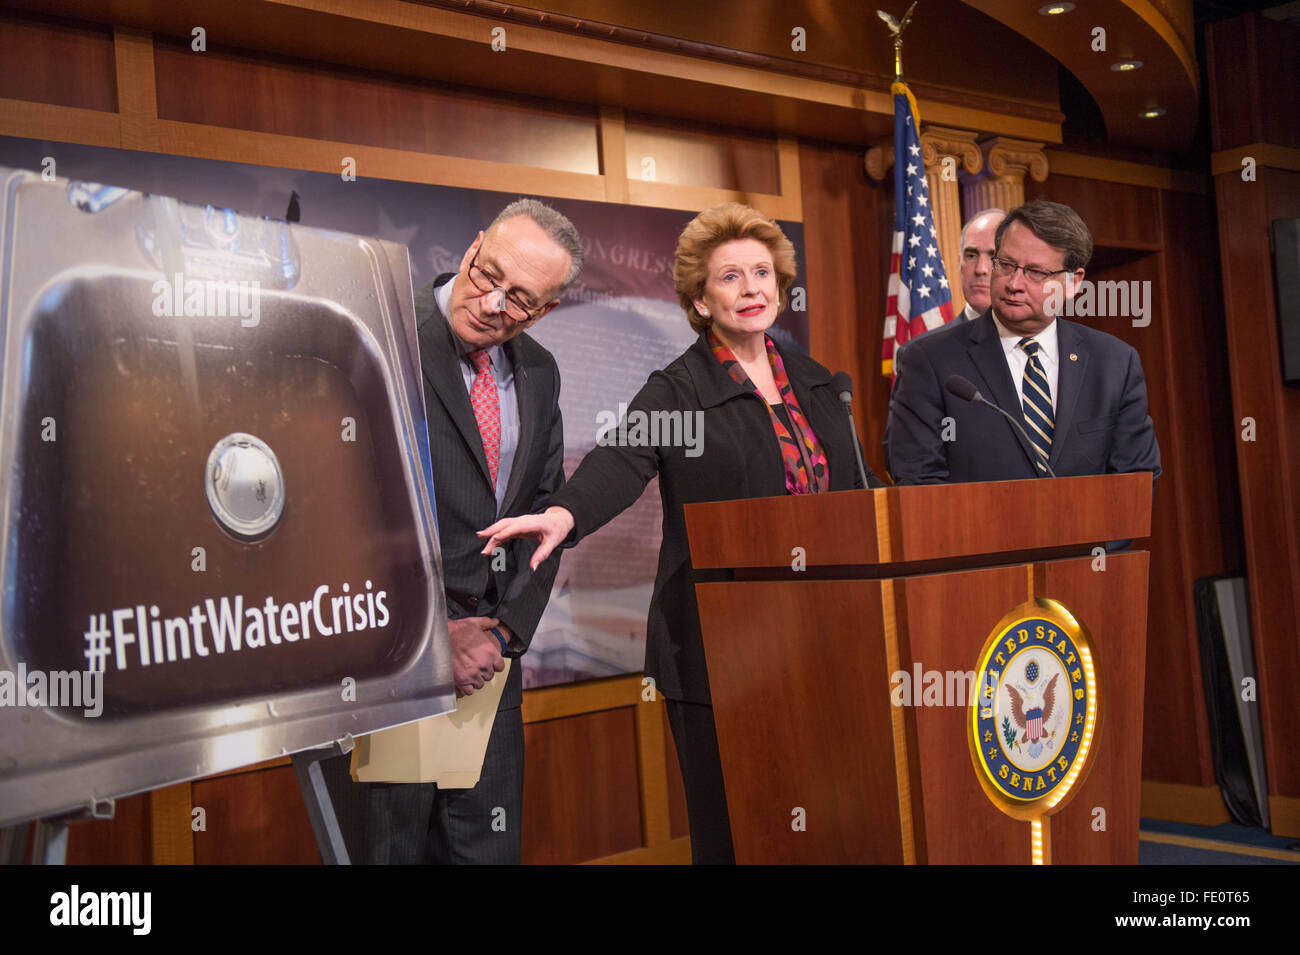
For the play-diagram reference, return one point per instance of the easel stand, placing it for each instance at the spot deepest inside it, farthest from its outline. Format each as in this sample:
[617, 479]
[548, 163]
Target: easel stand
[307, 766]
[49, 836]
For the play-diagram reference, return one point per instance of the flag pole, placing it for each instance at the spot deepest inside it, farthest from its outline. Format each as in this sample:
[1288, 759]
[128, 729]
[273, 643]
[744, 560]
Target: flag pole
[917, 298]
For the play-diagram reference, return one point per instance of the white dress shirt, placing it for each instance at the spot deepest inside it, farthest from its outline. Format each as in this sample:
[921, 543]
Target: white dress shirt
[1049, 354]
[970, 313]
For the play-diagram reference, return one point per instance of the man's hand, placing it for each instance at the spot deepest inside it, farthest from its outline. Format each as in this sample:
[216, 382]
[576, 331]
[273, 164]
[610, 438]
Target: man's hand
[475, 652]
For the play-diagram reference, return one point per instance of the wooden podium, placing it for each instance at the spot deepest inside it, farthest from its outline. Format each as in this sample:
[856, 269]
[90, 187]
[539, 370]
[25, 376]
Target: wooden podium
[895, 579]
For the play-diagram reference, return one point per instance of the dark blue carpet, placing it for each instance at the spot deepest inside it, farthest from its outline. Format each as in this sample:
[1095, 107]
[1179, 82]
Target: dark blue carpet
[1154, 853]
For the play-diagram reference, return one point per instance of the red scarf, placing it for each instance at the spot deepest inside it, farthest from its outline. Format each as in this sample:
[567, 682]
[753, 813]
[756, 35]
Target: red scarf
[806, 470]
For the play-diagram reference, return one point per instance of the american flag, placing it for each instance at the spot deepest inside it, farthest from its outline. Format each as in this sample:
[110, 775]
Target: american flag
[919, 298]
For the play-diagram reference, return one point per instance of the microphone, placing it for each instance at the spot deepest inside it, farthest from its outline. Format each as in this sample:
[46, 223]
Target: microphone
[842, 385]
[965, 389]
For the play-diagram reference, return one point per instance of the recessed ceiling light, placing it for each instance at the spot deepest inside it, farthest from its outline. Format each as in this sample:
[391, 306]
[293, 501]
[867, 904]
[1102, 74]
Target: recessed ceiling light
[1126, 66]
[1152, 113]
[1054, 9]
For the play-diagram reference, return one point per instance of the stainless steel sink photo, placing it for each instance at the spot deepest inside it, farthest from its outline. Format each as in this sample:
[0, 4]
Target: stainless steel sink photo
[214, 495]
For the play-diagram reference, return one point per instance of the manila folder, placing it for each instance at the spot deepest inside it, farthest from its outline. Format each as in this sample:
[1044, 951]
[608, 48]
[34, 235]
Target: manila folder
[447, 749]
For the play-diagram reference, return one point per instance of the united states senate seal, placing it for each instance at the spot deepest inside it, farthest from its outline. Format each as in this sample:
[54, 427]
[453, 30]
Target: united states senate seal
[1033, 721]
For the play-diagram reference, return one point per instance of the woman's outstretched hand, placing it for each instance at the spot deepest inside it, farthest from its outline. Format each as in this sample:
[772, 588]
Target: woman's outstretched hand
[548, 528]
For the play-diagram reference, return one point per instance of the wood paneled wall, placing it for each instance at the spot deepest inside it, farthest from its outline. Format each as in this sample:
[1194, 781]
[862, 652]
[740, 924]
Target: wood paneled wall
[688, 155]
[60, 62]
[848, 226]
[601, 784]
[232, 90]
[1250, 63]
[1164, 239]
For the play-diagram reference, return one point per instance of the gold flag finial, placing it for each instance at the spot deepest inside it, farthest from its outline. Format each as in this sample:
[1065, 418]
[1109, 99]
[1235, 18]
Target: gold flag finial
[897, 28]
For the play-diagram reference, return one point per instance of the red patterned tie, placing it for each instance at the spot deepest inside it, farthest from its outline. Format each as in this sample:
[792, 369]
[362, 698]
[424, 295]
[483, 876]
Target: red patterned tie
[487, 410]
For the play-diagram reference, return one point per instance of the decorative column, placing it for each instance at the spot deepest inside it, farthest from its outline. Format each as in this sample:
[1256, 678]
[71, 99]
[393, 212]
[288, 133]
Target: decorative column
[946, 152]
[947, 155]
[1002, 183]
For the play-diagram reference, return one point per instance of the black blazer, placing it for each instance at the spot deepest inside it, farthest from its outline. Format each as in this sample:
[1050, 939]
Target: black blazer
[463, 489]
[1102, 425]
[740, 458]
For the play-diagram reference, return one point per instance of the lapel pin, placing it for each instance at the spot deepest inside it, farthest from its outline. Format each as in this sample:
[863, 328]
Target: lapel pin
[1073, 357]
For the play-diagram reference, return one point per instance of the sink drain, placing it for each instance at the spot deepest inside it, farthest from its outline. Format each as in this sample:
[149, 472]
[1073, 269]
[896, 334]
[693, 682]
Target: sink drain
[245, 486]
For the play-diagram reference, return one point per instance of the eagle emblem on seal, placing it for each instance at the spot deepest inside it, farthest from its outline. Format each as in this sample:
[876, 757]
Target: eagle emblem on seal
[1030, 712]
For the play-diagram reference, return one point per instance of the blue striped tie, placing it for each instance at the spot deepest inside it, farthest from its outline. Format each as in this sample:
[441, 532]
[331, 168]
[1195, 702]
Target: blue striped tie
[1036, 398]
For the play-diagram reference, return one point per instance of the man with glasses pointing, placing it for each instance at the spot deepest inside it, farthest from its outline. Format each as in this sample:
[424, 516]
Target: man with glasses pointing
[1079, 393]
[496, 440]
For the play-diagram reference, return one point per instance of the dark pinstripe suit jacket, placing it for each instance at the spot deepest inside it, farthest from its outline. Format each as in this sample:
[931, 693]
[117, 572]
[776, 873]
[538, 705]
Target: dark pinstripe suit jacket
[1102, 425]
[463, 490]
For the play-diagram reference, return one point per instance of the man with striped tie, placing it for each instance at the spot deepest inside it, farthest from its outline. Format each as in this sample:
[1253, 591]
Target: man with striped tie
[1079, 393]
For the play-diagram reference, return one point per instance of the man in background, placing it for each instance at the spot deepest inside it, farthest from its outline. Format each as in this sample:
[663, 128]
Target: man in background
[975, 268]
[977, 251]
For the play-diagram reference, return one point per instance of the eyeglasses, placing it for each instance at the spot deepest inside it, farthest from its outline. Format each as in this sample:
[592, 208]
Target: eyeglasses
[1007, 269]
[515, 310]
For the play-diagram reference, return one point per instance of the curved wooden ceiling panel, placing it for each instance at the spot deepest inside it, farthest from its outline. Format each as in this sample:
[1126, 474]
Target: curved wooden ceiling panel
[1159, 33]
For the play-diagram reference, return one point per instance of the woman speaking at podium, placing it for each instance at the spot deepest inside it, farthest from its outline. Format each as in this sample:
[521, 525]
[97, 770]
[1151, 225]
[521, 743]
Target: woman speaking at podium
[770, 425]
